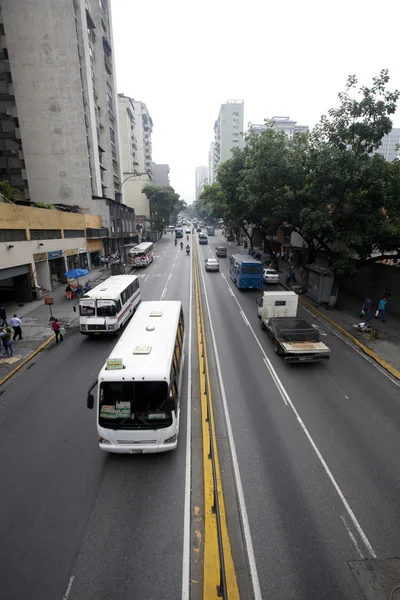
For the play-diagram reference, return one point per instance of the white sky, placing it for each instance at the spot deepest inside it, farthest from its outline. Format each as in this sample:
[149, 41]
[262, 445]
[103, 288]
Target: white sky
[183, 59]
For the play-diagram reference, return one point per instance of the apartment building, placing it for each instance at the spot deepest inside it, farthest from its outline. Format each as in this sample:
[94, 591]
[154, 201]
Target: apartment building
[59, 129]
[285, 124]
[228, 131]
[389, 147]
[211, 164]
[143, 131]
[201, 179]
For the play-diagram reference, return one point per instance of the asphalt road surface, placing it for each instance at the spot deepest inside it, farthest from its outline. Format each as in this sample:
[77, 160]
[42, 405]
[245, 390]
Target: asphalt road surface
[317, 448]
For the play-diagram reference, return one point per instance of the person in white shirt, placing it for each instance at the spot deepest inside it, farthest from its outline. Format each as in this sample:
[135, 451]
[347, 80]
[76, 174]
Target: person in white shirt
[16, 325]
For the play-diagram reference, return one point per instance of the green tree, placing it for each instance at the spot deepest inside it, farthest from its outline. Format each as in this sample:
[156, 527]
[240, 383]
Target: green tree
[8, 193]
[162, 201]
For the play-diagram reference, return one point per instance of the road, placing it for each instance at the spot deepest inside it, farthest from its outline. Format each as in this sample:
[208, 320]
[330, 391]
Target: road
[317, 461]
[110, 523]
[317, 447]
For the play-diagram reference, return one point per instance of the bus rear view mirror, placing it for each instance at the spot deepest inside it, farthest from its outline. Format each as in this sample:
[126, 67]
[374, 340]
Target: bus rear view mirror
[74, 308]
[171, 404]
[90, 401]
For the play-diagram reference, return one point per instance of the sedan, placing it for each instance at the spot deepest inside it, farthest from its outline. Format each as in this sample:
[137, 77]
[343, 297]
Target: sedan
[271, 276]
[212, 264]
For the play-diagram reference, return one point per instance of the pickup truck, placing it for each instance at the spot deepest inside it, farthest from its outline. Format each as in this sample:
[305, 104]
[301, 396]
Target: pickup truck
[293, 337]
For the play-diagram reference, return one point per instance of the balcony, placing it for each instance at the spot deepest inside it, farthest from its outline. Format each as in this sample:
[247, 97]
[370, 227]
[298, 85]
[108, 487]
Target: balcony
[106, 46]
[92, 233]
[108, 65]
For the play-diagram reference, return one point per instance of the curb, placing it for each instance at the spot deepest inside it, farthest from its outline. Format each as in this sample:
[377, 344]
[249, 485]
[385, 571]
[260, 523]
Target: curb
[394, 372]
[27, 359]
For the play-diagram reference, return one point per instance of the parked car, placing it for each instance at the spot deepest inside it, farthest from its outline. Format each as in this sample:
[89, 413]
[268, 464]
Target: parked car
[221, 251]
[271, 276]
[212, 264]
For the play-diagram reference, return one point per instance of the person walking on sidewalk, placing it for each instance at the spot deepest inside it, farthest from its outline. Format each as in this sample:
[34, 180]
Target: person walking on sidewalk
[8, 342]
[3, 316]
[382, 308]
[16, 325]
[57, 330]
[366, 309]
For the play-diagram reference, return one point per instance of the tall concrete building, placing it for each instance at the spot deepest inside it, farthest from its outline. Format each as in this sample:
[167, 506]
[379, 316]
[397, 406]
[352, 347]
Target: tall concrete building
[201, 180]
[211, 158]
[285, 124]
[133, 159]
[228, 131]
[388, 147]
[161, 174]
[59, 128]
[143, 131]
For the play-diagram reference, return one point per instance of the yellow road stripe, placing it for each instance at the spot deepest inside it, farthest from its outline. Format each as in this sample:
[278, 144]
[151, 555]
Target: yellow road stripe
[211, 577]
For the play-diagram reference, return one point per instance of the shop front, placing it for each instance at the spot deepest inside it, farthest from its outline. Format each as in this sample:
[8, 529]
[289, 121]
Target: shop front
[57, 267]
[83, 259]
[95, 251]
[72, 257]
[42, 274]
[15, 284]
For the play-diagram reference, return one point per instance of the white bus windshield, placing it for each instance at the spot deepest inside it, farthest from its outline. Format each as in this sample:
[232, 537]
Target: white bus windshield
[87, 308]
[106, 308]
[134, 405]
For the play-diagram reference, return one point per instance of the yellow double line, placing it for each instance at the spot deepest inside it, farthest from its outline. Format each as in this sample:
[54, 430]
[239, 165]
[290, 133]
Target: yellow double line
[212, 565]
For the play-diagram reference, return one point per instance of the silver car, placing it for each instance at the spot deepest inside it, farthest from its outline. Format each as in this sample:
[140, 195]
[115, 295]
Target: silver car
[212, 264]
[271, 276]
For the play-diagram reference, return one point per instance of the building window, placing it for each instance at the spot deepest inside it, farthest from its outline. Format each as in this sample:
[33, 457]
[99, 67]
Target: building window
[74, 233]
[12, 235]
[45, 234]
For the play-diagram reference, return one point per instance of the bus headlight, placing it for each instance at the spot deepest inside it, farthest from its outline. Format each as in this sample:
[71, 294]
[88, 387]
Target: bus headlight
[103, 441]
[170, 440]
[110, 327]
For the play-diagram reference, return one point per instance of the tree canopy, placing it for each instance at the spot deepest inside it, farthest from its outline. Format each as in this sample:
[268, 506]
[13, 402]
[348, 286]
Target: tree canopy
[329, 186]
[164, 203]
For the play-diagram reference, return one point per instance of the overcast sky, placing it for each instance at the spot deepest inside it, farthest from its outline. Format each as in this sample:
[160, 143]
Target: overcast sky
[185, 58]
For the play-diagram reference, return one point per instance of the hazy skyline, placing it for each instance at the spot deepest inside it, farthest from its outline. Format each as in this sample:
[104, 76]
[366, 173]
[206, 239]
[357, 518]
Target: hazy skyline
[184, 60]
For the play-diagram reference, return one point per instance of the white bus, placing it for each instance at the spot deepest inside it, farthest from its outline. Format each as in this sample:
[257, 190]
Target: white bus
[142, 255]
[139, 387]
[106, 308]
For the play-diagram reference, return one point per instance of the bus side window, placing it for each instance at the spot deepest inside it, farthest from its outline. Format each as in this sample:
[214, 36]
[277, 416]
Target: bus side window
[118, 305]
[135, 285]
[130, 291]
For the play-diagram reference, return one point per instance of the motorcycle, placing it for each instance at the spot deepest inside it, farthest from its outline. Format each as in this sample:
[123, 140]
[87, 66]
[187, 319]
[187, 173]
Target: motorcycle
[188, 251]
[181, 244]
[176, 242]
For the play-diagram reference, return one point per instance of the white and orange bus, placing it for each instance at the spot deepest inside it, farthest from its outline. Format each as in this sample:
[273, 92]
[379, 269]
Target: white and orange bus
[142, 255]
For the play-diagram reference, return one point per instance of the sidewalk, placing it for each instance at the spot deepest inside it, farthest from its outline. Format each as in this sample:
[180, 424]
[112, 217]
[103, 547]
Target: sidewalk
[36, 324]
[346, 316]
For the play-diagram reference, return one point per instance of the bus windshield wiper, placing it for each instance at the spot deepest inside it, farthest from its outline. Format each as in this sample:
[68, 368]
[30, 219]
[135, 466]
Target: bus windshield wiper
[124, 420]
[143, 420]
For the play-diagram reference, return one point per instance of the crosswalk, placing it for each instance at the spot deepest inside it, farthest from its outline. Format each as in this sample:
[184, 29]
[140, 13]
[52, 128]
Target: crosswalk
[146, 275]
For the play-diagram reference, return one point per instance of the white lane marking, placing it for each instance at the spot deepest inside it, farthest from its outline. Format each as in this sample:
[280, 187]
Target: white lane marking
[351, 536]
[169, 276]
[230, 291]
[282, 390]
[68, 590]
[154, 266]
[146, 277]
[245, 318]
[188, 482]
[239, 486]
[318, 328]
[158, 275]
[352, 346]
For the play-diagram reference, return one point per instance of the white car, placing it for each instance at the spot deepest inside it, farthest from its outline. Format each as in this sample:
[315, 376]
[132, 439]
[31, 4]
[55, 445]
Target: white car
[212, 264]
[271, 276]
[188, 231]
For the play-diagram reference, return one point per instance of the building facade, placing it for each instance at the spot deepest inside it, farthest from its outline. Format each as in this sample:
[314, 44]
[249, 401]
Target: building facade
[389, 145]
[128, 143]
[201, 179]
[40, 245]
[228, 132]
[285, 124]
[211, 169]
[142, 132]
[160, 174]
[59, 125]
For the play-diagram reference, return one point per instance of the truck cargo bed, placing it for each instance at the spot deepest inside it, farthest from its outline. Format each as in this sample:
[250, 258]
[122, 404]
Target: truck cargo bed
[292, 329]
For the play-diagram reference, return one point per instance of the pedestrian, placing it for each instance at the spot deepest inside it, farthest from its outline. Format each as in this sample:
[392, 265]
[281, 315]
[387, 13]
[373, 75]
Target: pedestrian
[57, 330]
[16, 325]
[3, 316]
[68, 291]
[366, 309]
[8, 342]
[106, 260]
[382, 308]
